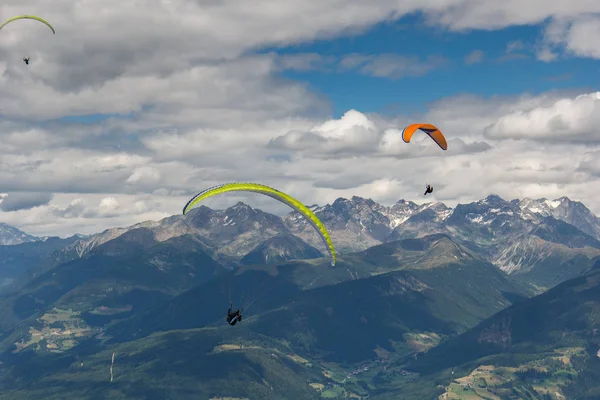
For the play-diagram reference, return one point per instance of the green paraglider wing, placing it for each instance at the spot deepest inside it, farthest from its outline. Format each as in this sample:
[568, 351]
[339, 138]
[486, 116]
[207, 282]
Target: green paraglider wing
[43, 21]
[275, 194]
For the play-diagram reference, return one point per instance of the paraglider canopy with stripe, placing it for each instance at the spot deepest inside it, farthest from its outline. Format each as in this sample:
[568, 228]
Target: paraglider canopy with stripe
[275, 194]
[431, 130]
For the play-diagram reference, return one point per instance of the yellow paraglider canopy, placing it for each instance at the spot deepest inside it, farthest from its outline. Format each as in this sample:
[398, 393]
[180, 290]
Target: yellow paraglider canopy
[43, 21]
[275, 194]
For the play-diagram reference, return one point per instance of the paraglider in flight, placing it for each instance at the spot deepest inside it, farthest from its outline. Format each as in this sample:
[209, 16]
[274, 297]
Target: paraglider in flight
[43, 21]
[429, 129]
[428, 189]
[275, 194]
[233, 316]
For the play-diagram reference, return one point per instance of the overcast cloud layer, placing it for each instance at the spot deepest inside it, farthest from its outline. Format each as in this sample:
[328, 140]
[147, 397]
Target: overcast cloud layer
[191, 106]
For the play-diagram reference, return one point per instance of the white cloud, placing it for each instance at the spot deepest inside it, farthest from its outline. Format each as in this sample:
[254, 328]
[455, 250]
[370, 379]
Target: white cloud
[491, 14]
[354, 134]
[515, 45]
[474, 57]
[146, 176]
[358, 154]
[512, 165]
[546, 54]
[351, 134]
[567, 119]
[391, 66]
[76, 208]
[577, 36]
[108, 206]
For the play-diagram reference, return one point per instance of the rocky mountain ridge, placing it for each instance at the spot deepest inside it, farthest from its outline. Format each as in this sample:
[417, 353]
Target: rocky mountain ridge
[517, 236]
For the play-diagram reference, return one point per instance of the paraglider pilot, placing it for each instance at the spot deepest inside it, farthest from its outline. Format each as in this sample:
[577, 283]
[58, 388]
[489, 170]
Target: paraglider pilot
[233, 317]
[26, 60]
[428, 189]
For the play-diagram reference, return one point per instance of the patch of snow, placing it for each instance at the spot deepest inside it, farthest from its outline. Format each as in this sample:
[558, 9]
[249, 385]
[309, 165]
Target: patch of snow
[553, 203]
[445, 214]
[395, 221]
[476, 220]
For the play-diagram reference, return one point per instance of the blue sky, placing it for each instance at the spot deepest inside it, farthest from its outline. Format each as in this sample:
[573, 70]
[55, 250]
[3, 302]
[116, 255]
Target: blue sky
[500, 72]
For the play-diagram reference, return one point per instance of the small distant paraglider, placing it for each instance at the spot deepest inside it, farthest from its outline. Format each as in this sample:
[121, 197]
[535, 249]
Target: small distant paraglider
[18, 17]
[43, 21]
[434, 133]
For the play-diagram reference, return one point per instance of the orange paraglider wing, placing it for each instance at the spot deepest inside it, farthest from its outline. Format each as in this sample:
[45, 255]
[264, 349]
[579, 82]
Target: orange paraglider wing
[429, 129]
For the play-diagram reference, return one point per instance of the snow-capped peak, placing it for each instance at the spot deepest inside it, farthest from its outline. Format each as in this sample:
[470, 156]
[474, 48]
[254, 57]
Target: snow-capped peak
[9, 235]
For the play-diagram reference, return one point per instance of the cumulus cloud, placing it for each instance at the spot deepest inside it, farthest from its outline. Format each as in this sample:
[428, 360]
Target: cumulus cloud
[156, 100]
[590, 164]
[567, 119]
[359, 154]
[27, 140]
[576, 35]
[355, 134]
[70, 170]
[513, 164]
[144, 177]
[76, 208]
[108, 206]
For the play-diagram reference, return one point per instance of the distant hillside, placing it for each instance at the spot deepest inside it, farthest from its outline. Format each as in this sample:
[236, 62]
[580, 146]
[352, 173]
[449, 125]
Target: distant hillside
[307, 328]
[280, 248]
[195, 364]
[380, 295]
[548, 343]
[21, 262]
[117, 280]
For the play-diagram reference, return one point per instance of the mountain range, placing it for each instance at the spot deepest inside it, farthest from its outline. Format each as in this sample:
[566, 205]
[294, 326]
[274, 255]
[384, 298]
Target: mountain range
[420, 299]
[543, 241]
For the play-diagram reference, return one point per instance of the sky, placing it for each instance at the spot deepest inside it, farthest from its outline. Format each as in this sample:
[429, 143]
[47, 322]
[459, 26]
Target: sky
[135, 106]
